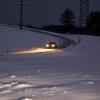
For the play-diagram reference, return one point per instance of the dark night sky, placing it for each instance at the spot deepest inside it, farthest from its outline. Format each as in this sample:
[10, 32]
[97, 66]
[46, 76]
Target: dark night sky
[40, 12]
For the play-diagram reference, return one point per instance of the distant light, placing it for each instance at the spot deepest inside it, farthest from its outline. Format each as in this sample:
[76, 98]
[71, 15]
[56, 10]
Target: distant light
[47, 45]
[53, 46]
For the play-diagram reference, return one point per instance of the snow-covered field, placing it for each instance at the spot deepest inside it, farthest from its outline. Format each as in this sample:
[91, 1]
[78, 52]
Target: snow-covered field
[28, 71]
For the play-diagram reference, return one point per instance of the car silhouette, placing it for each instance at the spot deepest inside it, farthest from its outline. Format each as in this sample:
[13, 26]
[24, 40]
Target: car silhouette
[51, 45]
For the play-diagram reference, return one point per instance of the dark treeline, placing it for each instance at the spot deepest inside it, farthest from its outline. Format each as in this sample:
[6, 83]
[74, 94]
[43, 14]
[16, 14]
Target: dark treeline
[67, 19]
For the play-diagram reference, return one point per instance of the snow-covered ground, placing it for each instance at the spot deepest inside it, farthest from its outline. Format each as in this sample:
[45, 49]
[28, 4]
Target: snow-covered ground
[31, 72]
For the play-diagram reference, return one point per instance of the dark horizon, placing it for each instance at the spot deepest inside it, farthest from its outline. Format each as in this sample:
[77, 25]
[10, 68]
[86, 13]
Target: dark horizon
[39, 12]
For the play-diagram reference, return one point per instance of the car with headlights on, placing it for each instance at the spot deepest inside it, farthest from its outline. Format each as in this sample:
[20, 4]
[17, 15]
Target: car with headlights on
[51, 45]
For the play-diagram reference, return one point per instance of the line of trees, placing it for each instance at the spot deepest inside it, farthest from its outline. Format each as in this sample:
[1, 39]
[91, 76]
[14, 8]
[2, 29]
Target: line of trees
[68, 25]
[92, 24]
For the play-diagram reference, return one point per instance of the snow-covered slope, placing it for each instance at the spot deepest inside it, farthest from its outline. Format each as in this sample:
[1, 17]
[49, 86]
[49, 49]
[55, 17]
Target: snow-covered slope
[13, 38]
[35, 73]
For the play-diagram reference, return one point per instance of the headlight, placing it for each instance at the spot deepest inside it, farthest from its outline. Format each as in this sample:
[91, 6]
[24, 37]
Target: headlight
[53, 45]
[47, 45]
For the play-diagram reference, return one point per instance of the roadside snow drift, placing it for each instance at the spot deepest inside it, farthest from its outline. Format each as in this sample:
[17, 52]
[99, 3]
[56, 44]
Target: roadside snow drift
[29, 71]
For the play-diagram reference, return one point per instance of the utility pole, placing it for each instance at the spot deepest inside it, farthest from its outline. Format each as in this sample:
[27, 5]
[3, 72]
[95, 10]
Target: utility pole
[84, 12]
[21, 14]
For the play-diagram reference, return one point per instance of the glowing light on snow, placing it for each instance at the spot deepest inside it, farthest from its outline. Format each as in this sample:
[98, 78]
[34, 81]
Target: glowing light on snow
[36, 51]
